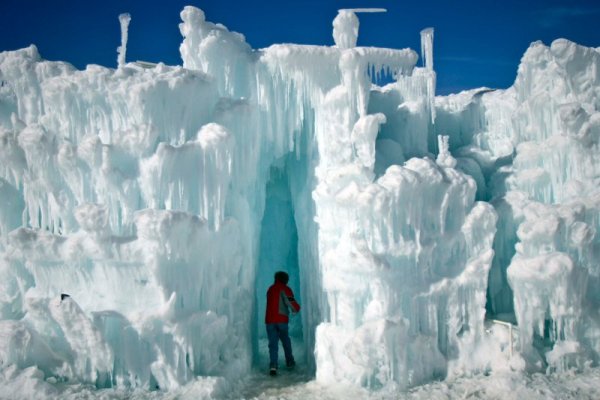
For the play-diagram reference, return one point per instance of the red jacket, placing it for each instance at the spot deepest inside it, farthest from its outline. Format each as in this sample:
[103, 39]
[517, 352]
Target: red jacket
[280, 299]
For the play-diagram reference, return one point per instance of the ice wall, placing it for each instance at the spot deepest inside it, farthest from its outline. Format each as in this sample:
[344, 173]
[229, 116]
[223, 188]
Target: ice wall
[143, 193]
[97, 161]
[536, 146]
[140, 193]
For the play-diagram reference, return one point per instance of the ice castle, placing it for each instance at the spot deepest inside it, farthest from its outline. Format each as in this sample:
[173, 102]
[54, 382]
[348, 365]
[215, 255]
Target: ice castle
[162, 199]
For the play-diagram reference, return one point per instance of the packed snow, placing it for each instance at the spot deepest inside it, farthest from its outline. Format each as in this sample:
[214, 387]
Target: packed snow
[440, 246]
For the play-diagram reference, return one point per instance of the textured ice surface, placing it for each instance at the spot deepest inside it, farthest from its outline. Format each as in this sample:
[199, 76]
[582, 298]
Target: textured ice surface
[161, 200]
[537, 146]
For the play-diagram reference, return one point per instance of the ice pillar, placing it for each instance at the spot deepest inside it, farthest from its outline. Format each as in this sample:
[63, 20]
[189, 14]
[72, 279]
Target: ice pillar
[345, 26]
[427, 56]
[345, 29]
[122, 49]
[427, 48]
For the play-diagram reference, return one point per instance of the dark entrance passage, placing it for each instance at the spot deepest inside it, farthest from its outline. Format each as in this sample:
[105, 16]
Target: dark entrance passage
[278, 252]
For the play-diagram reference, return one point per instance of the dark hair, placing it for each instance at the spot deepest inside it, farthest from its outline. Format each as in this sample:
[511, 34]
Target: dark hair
[282, 277]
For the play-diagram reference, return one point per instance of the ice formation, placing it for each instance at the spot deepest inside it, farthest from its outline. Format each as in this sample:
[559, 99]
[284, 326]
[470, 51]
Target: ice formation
[161, 200]
[345, 26]
[124, 20]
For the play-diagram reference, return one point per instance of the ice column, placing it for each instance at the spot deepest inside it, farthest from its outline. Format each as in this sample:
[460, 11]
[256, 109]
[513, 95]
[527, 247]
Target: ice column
[427, 47]
[345, 29]
[427, 55]
[122, 49]
[345, 26]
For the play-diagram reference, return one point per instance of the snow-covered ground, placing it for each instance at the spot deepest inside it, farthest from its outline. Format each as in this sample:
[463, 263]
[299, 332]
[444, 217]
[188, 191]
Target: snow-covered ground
[297, 386]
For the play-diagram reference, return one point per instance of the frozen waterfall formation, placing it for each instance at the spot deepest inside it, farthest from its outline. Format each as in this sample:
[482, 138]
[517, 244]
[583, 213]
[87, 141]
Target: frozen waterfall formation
[163, 199]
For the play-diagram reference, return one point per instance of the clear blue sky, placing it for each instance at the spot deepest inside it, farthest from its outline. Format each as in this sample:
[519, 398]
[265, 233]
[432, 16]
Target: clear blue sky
[477, 42]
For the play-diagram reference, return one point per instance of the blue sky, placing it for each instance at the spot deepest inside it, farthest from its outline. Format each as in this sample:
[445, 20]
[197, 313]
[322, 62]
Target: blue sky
[477, 42]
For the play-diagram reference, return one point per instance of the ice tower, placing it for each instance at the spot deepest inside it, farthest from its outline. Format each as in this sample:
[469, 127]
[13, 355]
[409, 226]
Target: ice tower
[163, 199]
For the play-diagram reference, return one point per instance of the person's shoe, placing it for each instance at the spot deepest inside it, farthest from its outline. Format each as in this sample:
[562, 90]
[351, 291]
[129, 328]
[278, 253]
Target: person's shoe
[273, 372]
[290, 364]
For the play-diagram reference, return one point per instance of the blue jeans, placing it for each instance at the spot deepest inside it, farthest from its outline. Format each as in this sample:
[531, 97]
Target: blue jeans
[277, 332]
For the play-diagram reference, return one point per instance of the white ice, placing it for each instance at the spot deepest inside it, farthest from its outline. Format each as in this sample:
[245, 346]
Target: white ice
[124, 20]
[161, 200]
